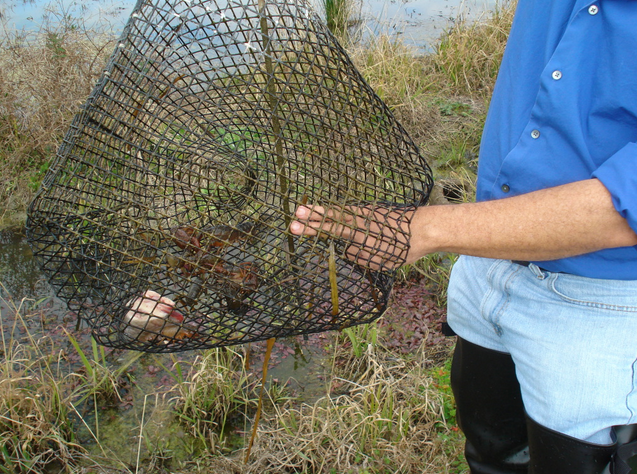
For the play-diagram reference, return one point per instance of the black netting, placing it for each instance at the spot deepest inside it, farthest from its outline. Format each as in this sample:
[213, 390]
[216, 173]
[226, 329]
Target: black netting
[163, 221]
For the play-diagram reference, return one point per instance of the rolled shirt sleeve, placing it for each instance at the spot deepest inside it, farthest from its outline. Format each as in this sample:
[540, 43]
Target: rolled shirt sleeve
[619, 176]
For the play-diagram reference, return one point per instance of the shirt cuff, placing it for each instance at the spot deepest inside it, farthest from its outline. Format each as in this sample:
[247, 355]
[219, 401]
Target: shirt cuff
[619, 175]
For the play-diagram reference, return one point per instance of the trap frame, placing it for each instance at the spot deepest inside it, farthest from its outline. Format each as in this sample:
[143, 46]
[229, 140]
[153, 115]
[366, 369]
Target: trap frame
[163, 220]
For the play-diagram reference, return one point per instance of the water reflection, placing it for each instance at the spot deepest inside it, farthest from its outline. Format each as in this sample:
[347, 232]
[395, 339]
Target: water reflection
[19, 274]
[418, 22]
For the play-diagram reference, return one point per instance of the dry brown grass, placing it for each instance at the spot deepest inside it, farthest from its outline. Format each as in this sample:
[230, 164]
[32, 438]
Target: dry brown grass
[388, 419]
[384, 414]
[468, 56]
[402, 80]
[44, 78]
[441, 98]
[41, 398]
[35, 428]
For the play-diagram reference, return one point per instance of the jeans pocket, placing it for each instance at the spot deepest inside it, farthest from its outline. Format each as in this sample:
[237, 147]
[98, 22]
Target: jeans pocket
[611, 295]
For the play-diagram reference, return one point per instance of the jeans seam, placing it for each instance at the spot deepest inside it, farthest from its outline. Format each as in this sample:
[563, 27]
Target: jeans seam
[632, 413]
[507, 299]
[496, 316]
[489, 292]
[591, 304]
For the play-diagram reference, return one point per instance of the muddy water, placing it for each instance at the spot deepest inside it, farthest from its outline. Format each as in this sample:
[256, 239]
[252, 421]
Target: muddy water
[18, 271]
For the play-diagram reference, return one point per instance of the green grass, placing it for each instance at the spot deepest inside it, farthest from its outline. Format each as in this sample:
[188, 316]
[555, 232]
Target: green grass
[469, 54]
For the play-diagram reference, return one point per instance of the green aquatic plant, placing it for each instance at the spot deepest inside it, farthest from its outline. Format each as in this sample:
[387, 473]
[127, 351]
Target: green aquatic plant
[100, 379]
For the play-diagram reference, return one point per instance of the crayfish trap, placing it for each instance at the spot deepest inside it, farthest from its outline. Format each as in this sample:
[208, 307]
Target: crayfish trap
[163, 221]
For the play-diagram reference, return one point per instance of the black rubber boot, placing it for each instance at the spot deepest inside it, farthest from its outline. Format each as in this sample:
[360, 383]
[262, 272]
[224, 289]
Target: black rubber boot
[556, 453]
[489, 410]
[625, 458]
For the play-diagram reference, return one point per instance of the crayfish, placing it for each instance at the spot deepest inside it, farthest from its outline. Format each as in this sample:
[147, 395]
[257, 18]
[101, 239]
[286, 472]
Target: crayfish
[210, 238]
[202, 257]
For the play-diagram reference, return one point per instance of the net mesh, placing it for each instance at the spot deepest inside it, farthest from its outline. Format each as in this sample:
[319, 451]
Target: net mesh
[163, 220]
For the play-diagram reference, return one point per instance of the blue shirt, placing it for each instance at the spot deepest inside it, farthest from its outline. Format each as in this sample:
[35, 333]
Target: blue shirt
[564, 109]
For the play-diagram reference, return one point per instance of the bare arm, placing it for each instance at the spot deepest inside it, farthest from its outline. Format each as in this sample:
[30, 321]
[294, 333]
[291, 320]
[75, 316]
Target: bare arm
[552, 223]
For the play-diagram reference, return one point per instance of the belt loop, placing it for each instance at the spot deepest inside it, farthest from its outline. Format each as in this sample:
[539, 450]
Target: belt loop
[539, 272]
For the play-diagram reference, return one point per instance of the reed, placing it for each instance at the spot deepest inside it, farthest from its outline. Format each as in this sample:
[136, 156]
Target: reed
[337, 17]
[389, 418]
[35, 416]
[468, 55]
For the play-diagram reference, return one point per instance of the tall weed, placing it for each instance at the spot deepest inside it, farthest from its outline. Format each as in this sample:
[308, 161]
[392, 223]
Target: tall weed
[35, 419]
[388, 419]
[44, 78]
[215, 392]
[469, 54]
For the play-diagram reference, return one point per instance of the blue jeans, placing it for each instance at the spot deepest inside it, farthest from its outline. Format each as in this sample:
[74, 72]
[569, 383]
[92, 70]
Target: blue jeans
[573, 340]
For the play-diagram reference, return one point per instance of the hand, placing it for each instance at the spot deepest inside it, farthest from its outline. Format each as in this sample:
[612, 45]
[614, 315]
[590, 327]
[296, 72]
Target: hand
[378, 237]
[152, 316]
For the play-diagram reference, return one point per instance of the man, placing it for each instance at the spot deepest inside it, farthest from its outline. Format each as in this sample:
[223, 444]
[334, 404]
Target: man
[544, 298]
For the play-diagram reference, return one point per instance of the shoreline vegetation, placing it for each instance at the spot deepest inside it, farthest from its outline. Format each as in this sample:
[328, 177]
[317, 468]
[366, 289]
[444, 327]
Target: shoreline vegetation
[385, 404]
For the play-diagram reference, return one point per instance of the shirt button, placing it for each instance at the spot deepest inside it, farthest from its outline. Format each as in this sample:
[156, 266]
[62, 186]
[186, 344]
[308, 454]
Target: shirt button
[505, 188]
[557, 75]
[593, 9]
[535, 134]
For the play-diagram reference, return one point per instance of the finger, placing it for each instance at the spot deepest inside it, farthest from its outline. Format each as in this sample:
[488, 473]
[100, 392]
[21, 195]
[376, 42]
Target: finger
[312, 228]
[299, 228]
[315, 219]
[310, 213]
[318, 213]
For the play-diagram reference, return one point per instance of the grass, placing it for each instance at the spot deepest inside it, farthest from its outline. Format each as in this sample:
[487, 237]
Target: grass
[381, 412]
[216, 393]
[43, 81]
[441, 98]
[35, 407]
[99, 380]
[337, 15]
[469, 55]
[388, 419]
